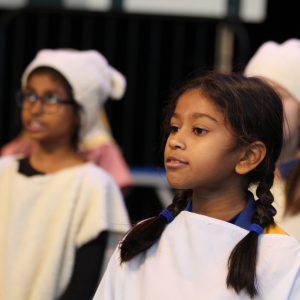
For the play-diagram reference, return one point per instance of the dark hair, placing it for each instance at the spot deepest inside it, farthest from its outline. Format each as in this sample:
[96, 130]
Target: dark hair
[254, 112]
[57, 76]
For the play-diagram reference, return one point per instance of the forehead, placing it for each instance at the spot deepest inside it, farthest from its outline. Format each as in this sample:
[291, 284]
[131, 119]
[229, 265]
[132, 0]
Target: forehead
[36, 78]
[45, 82]
[194, 102]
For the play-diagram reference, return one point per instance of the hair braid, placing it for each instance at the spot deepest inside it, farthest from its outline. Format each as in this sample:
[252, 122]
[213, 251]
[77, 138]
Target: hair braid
[264, 210]
[243, 258]
[144, 234]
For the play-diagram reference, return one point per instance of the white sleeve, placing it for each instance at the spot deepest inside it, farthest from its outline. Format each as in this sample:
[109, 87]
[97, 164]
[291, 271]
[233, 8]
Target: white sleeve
[100, 207]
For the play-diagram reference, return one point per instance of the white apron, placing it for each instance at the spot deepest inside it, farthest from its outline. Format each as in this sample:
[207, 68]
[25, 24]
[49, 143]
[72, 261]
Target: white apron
[44, 219]
[190, 262]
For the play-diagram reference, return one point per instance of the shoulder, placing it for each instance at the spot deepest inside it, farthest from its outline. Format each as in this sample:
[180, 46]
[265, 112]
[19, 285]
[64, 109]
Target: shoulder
[93, 174]
[281, 244]
[96, 182]
[94, 170]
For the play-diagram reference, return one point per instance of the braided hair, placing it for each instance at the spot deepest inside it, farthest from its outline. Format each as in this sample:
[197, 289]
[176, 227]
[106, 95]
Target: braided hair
[254, 112]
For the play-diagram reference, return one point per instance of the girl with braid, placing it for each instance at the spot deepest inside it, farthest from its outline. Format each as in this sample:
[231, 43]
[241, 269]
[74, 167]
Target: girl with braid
[215, 241]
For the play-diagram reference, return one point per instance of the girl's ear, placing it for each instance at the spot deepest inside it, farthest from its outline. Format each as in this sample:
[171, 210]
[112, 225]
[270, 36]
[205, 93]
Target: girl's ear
[251, 157]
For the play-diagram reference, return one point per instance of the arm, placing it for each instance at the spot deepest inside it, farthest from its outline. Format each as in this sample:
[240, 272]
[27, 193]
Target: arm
[87, 268]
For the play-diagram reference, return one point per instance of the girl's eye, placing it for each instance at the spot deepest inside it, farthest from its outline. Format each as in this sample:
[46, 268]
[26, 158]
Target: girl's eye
[199, 131]
[29, 96]
[173, 129]
[51, 99]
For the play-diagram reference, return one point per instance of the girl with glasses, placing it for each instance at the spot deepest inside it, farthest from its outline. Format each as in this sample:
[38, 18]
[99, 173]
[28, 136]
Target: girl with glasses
[61, 214]
[95, 144]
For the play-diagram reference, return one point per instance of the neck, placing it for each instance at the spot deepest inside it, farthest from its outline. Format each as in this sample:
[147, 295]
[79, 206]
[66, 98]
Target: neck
[223, 206]
[49, 157]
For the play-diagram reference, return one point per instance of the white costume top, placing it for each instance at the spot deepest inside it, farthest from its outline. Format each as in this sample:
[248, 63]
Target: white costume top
[189, 262]
[44, 218]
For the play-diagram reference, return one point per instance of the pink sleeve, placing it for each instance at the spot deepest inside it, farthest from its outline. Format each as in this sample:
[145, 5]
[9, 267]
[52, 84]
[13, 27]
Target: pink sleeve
[18, 146]
[110, 158]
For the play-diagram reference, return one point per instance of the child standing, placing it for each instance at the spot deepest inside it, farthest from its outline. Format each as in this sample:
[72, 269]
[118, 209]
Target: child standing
[224, 132]
[59, 212]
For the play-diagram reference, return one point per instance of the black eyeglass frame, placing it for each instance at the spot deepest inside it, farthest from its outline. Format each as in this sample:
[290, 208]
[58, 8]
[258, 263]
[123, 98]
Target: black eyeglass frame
[20, 96]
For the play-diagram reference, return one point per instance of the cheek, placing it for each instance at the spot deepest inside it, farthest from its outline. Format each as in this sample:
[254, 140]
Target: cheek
[23, 116]
[73, 124]
[166, 148]
[61, 123]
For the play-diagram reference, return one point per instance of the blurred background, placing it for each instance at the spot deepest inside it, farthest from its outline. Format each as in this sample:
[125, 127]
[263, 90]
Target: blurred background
[154, 43]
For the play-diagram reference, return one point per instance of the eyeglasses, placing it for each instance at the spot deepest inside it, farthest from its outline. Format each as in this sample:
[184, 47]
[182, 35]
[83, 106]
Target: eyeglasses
[51, 103]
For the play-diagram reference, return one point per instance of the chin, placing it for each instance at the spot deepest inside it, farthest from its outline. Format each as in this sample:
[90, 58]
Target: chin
[177, 184]
[36, 136]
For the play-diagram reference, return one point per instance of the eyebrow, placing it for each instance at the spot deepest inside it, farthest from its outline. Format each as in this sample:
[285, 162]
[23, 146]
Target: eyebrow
[198, 115]
[48, 91]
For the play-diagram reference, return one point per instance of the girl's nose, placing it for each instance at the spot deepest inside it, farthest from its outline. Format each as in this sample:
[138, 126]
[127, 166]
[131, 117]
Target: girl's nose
[37, 107]
[176, 143]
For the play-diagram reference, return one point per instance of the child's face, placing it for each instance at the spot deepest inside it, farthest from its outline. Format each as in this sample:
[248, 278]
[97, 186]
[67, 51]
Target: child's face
[44, 124]
[200, 152]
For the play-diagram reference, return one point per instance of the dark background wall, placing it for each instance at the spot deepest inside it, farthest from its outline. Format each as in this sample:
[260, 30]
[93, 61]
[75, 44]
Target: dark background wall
[154, 52]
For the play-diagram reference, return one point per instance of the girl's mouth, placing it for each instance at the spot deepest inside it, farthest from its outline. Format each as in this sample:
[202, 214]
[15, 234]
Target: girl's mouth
[173, 162]
[35, 126]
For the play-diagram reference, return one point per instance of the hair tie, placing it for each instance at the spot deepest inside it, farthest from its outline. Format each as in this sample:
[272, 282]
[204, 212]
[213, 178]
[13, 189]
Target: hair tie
[169, 217]
[256, 228]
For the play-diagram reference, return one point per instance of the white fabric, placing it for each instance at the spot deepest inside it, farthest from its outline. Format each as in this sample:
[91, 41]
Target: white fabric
[93, 81]
[190, 262]
[113, 240]
[279, 63]
[44, 218]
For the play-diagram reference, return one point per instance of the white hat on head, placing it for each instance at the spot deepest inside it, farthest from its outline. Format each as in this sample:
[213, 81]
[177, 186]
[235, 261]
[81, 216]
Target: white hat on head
[279, 63]
[92, 79]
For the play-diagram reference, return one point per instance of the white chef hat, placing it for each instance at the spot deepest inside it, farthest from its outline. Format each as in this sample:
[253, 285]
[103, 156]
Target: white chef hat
[279, 63]
[92, 79]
